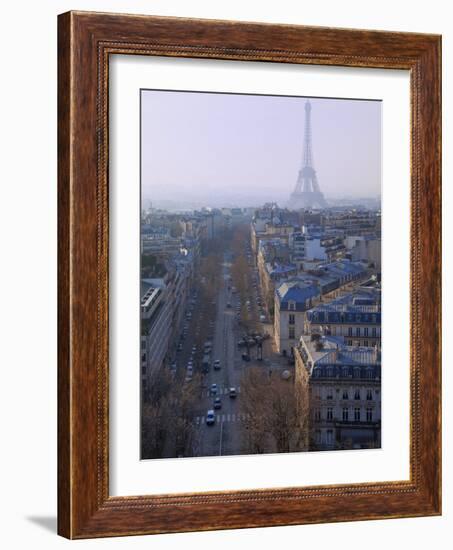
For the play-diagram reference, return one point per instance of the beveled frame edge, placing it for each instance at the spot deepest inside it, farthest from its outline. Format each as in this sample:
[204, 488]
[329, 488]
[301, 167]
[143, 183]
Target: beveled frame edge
[85, 42]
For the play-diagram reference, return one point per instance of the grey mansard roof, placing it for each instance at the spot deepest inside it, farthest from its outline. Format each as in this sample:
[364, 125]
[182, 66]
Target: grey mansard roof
[354, 308]
[335, 360]
[297, 291]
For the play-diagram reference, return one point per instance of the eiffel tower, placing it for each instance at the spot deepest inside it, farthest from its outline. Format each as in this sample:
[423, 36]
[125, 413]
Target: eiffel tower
[307, 193]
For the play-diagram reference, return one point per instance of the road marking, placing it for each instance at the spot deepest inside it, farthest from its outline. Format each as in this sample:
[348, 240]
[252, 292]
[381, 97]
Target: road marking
[222, 390]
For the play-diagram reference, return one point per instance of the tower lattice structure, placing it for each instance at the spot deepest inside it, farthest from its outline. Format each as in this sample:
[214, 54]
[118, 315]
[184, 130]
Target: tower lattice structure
[307, 193]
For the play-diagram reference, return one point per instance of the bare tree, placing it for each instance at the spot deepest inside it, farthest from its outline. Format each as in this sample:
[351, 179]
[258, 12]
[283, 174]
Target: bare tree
[166, 424]
[274, 422]
[153, 430]
[184, 398]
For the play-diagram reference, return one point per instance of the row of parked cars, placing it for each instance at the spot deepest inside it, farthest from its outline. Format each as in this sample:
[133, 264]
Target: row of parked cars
[190, 364]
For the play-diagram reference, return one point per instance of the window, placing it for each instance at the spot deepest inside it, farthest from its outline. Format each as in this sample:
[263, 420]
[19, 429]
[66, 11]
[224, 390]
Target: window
[350, 331]
[345, 371]
[357, 394]
[317, 414]
[329, 413]
[369, 414]
[357, 372]
[357, 331]
[365, 331]
[292, 333]
[292, 319]
[349, 342]
[345, 394]
[329, 437]
[318, 436]
[365, 343]
[369, 395]
[373, 332]
[329, 393]
[292, 306]
[357, 414]
[345, 414]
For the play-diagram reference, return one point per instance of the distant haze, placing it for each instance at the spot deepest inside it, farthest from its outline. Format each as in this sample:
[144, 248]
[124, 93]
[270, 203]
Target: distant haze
[207, 149]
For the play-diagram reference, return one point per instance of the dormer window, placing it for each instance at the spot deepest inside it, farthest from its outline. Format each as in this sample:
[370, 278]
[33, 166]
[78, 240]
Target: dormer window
[292, 305]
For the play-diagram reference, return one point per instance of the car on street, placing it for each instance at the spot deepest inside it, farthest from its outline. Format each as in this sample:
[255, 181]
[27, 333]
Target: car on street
[217, 364]
[228, 304]
[207, 346]
[214, 389]
[233, 392]
[217, 403]
[210, 417]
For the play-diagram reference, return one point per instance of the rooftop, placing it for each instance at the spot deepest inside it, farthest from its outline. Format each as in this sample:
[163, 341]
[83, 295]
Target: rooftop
[297, 290]
[280, 269]
[328, 351]
[148, 285]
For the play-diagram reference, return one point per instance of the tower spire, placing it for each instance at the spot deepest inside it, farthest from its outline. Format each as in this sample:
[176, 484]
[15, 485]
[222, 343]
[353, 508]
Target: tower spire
[308, 161]
[307, 193]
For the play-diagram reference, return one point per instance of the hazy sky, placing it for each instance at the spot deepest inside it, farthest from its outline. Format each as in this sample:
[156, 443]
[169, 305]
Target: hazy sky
[230, 149]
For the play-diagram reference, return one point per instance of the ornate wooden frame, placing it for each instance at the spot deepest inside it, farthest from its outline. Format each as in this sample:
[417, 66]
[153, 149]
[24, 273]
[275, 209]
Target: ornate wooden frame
[85, 41]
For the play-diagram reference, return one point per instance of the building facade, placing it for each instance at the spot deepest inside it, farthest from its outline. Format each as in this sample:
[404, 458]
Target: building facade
[342, 386]
[157, 310]
[293, 299]
[354, 318]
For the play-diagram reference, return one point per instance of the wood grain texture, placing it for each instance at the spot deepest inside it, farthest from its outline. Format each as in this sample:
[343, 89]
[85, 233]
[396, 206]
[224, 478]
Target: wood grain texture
[85, 42]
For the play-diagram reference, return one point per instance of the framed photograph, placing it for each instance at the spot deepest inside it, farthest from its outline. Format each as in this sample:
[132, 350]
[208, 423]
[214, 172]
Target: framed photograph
[249, 275]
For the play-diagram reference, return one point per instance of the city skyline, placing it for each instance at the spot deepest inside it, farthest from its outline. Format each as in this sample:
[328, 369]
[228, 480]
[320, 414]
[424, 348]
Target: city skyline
[260, 281]
[222, 142]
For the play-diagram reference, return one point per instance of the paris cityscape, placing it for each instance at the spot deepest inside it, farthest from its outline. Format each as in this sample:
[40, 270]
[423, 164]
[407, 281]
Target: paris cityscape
[260, 310]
